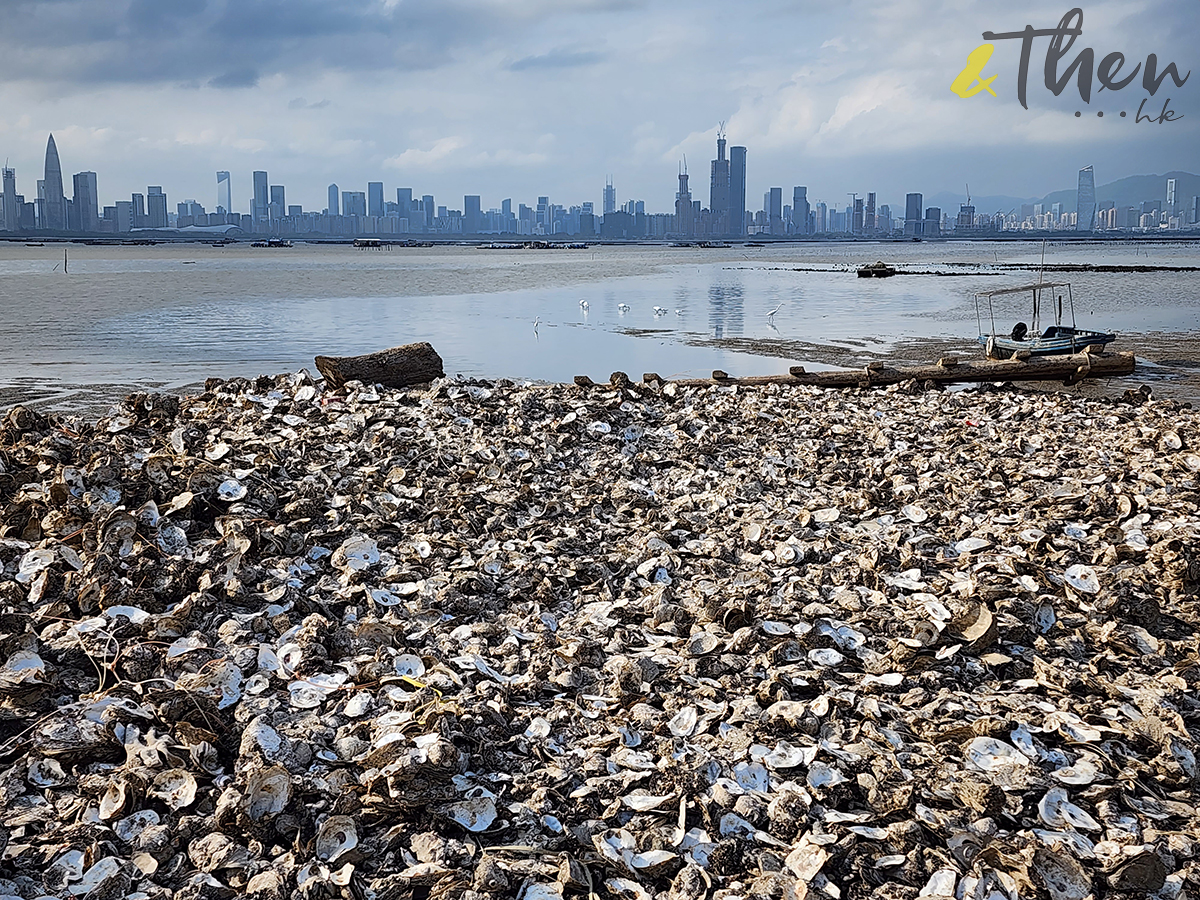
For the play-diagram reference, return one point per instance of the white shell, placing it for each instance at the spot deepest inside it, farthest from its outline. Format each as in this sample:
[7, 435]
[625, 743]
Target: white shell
[476, 814]
[231, 489]
[914, 513]
[1082, 578]
[337, 836]
[1058, 812]
[683, 723]
[175, 787]
[267, 793]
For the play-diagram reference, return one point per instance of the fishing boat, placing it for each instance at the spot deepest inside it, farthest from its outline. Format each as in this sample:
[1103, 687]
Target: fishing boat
[1031, 339]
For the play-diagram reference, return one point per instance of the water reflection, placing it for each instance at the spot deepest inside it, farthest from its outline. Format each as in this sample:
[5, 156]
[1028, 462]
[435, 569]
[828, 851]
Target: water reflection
[726, 306]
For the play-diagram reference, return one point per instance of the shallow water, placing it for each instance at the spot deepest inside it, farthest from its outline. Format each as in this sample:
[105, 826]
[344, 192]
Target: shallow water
[176, 314]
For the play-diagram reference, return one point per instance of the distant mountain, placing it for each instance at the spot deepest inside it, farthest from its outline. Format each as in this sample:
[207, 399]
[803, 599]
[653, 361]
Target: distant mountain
[1132, 191]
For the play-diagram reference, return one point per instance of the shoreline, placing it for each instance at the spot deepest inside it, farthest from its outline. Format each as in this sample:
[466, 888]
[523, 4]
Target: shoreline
[480, 637]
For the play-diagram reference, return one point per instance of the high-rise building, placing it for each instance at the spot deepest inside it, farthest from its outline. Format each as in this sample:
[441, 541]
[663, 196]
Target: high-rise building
[718, 190]
[912, 215]
[1195, 218]
[610, 196]
[333, 200]
[684, 222]
[857, 220]
[883, 221]
[932, 226]
[966, 218]
[869, 214]
[262, 198]
[278, 208]
[428, 207]
[472, 220]
[737, 191]
[800, 210]
[124, 216]
[774, 210]
[87, 207]
[156, 207]
[1172, 209]
[54, 208]
[354, 203]
[822, 218]
[375, 198]
[12, 214]
[1085, 200]
[224, 193]
[404, 200]
[137, 215]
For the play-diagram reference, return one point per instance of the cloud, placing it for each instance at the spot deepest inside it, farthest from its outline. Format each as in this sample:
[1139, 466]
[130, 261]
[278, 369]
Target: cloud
[242, 77]
[557, 59]
[414, 158]
[301, 103]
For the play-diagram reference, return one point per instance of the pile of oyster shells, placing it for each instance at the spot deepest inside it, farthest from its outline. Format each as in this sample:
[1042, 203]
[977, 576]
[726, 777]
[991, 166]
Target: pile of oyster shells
[500, 640]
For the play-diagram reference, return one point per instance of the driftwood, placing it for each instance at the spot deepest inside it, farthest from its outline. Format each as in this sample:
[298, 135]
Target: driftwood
[1068, 368]
[397, 367]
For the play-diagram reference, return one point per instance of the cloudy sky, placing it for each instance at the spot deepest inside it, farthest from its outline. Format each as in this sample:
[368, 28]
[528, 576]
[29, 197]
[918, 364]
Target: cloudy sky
[516, 98]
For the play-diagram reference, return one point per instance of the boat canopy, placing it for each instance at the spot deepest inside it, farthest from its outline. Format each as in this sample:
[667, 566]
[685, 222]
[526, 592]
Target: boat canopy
[1024, 288]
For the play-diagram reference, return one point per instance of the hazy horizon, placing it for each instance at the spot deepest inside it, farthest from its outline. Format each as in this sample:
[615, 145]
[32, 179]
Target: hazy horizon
[531, 98]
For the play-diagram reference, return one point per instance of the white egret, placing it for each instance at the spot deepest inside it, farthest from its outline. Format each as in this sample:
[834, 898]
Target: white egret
[623, 307]
[771, 314]
[660, 310]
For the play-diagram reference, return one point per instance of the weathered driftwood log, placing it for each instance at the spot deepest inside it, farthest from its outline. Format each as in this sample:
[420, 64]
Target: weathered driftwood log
[397, 367]
[1069, 369]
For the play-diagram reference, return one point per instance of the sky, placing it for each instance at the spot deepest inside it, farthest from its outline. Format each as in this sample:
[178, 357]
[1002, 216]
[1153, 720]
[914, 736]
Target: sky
[521, 98]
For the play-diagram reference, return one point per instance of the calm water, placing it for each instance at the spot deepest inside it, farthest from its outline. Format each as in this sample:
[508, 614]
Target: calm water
[178, 314]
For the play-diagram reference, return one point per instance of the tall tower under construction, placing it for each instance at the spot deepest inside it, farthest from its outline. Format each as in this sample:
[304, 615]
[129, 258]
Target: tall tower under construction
[718, 191]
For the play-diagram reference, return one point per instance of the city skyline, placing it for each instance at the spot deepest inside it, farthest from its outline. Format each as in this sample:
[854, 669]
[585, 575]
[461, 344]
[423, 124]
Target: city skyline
[370, 213]
[532, 98]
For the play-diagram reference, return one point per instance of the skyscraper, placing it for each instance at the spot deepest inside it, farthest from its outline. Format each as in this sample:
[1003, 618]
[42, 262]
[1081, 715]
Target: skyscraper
[428, 208]
[800, 210]
[1172, 208]
[718, 190]
[472, 223]
[1085, 200]
[278, 202]
[262, 198]
[11, 213]
[684, 223]
[137, 210]
[54, 208]
[156, 207]
[86, 206]
[869, 214]
[912, 215]
[774, 209]
[375, 198]
[610, 196]
[737, 191]
[354, 203]
[333, 200]
[856, 224]
[224, 193]
[404, 200]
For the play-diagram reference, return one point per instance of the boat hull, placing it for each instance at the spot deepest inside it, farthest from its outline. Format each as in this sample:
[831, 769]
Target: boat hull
[1066, 342]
